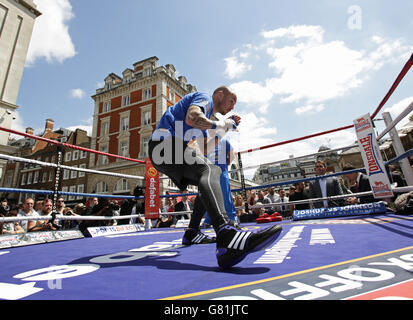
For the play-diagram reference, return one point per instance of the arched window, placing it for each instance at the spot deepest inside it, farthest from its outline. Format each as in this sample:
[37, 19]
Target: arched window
[122, 186]
[101, 187]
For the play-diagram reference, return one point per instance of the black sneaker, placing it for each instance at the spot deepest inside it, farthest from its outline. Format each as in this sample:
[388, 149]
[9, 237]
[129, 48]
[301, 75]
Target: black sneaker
[233, 245]
[193, 236]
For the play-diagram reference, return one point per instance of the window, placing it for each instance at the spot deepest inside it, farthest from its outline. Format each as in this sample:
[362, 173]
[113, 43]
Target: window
[80, 189]
[72, 189]
[147, 94]
[146, 72]
[125, 100]
[103, 159]
[145, 144]
[23, 179]
[73, 174]
[36, 177]
[81, 173]
[75, 155]
[146, 117]
[29, 178]
[104, 128]
[65, 174]
[51, 175]
[122, 186]
[106, 106]
[44, 176]
[68, 156]
[101, 187]
[7, 179]
[64, 189]
[171, 95]
[83, 154]
[124, 124]
[124, 148]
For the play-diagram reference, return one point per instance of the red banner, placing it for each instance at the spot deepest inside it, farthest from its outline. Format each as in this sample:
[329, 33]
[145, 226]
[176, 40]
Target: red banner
[152, 192]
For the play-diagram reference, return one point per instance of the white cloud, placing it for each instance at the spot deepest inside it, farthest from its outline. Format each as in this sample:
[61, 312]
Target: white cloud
[309, 70]
[77, 93]
[51, 39]
[234, 68]
[252, 94]
[309, 109]
[314, 33]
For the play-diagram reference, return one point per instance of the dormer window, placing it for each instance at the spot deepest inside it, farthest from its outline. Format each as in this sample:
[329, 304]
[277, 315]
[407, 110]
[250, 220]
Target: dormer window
[147, 72]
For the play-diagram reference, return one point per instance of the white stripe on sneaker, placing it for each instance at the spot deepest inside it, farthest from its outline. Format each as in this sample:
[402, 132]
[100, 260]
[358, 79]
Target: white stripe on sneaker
[198, 238]
[244, 240]
[241, 240]
[234, 239]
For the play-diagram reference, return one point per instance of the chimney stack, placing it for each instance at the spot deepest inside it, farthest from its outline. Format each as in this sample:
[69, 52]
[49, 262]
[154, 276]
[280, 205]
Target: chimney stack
[49, 125]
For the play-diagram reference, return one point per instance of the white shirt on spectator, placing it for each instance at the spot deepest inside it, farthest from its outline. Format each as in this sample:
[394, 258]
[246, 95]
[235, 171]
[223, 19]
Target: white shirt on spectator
[24, 223]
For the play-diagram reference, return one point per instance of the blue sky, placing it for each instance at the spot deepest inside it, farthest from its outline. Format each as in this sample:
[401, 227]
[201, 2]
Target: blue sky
[297, 66]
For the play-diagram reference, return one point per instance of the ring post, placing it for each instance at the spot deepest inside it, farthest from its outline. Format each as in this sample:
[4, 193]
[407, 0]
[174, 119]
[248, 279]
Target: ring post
[244, 191]
[57, 180]
[398, 149]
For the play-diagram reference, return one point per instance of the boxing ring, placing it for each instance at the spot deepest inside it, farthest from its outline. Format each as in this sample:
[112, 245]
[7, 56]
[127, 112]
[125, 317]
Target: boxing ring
[355, 256]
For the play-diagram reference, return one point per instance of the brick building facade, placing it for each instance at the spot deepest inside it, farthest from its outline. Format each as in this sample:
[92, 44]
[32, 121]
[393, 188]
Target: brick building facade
[127, 110]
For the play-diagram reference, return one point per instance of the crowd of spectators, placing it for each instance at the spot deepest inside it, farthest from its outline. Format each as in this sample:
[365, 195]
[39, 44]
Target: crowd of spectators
[267, 201]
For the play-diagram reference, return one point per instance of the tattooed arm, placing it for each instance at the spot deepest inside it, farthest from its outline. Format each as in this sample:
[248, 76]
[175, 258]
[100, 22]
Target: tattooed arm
[197, 119]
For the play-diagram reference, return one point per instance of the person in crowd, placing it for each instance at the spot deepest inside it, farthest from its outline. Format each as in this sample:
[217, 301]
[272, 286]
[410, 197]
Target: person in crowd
[358, 182]
[260, 211]
[28, 211]
[4, 204]
[103, 208]
[60, 205]
[291, 191]
[396, 176]
[284, 209]
[45, 210]
[299, 194]
[134, 205]
[79, 209]
[326, 187]
[240, 207]
[166, 220]
[38, 205]
[170, 154]
[9, 227]
[270, 197]
[252, 198]
[94, 201]
[184, 205]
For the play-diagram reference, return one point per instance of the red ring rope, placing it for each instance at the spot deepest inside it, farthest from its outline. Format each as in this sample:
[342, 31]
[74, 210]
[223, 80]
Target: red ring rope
[68, 145]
